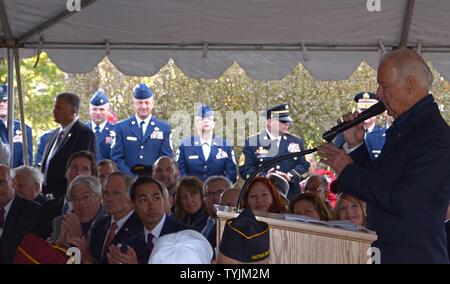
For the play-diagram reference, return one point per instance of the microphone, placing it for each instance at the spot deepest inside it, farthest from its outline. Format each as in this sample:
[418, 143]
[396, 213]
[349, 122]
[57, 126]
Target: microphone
[374, 110]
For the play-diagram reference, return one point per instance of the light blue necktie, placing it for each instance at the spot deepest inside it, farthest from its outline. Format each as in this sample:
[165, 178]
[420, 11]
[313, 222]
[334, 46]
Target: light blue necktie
[208, 228]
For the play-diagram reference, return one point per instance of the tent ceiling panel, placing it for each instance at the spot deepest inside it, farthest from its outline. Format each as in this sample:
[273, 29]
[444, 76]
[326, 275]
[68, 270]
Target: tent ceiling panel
[263, 36]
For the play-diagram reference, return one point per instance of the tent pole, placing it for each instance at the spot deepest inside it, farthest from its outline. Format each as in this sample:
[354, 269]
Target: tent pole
[11, 104]
[406, 23]
[26, 160]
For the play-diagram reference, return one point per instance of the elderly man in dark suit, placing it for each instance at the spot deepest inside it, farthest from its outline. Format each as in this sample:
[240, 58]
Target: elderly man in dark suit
[148, 197]
[71, 137]
[407, 188]
[117, 226]
[80, 163]
[17, 216]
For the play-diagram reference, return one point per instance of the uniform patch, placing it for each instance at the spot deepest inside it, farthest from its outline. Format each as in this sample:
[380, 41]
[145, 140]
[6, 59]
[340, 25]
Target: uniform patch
[242, 160]
[221, 154]
[261, 151]
[157, 134]
[131, 138]
[193, 157]
[293, 148]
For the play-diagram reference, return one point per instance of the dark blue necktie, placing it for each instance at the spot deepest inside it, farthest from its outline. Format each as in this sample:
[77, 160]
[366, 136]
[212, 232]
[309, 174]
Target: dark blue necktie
[141, 126]
[97, 130]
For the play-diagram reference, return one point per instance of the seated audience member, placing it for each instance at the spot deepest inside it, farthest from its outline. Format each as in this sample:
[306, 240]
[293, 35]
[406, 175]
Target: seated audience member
[213, 188]
[350, 208]
[262, 196]
[189, 206]
[165, 169]
[230, 197]
[244, 240]
[79, 163]
[318, 184]
[115, 227]
[85, 194]
[104, 168]
[17, 216]
[147, 196]
[183, 247]
[316, 168]
[28, 182]
[281, 184]
[310, 205]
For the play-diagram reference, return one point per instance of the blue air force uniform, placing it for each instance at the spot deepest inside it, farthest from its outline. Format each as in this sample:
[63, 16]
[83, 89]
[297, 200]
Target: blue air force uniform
[17, 133]
[191, 157]
[374, 137]
[375, 141]
[104, 132]
[17, 143]
[261, 148]
[43, 139]
[221, 161]
[131, 147]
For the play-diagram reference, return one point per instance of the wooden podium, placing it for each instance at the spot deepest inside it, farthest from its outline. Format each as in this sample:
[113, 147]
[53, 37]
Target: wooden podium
[297, 242]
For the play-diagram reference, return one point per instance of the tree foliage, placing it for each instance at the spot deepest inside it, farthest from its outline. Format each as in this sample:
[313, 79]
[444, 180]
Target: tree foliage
[315, 105]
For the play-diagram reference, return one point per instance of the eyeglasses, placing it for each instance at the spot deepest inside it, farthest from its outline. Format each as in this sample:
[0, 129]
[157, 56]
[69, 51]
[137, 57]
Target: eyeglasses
[214, 193]
[82, 199]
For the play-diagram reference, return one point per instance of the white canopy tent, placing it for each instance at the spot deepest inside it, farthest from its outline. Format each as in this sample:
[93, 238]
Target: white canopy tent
[204, 37]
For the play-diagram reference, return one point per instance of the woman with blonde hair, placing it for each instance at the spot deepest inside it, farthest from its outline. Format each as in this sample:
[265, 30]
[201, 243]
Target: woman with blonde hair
[350, 208]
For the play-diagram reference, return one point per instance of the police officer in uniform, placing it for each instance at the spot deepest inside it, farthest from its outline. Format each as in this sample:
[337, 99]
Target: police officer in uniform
[204, 154]
[103, 130]
[375, 135]
[17, 131]
[141, 139]
[274, 142]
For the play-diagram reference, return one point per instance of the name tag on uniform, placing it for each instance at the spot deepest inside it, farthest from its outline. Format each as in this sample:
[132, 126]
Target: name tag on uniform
[131, 138]
[193, 157]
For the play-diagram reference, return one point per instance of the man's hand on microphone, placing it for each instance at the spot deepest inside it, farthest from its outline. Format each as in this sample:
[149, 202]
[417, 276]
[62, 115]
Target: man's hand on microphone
[355, 135]
[334, 157]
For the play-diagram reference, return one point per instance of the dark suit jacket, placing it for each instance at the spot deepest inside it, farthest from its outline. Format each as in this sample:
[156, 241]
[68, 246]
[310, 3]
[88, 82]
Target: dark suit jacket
[19, 221]
[79, 138]
[49, 210]
[407, 188]
[100, 231]
[43, 139]
[447, 228]
[139, 244]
